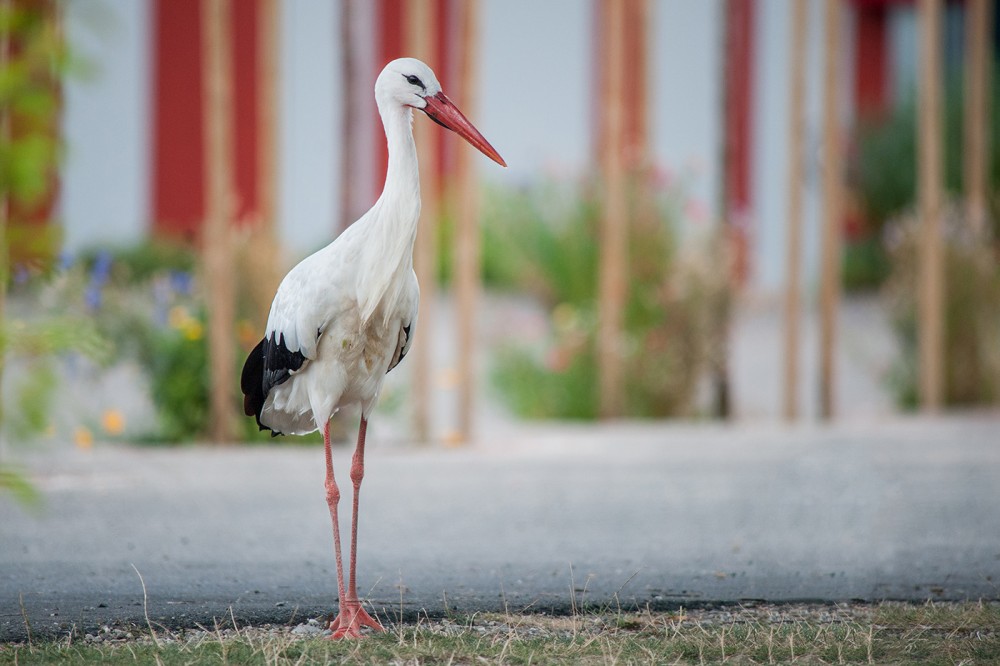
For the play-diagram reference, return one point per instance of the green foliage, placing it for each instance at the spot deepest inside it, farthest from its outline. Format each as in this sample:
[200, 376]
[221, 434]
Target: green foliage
[29, 96]
[26, 408]
[542, 240]
[142, 262]
[865, 264]
[179, 375]
[535, 391]
[53, 335]
[545, 241]
[971, 315]
[14, 482]
[148, 301]
[885, 168]
[884, 177]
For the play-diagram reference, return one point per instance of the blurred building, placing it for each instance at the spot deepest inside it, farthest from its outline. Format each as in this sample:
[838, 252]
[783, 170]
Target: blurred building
[133, 121]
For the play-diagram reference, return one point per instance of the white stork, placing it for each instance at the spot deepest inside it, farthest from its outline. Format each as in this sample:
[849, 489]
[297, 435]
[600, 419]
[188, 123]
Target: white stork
[345, 316]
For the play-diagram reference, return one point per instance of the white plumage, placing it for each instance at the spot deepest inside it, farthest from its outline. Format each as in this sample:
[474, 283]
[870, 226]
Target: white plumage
[346, 315]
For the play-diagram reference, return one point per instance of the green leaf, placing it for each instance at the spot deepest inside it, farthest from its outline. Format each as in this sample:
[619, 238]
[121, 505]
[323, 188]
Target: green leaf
[16, 484]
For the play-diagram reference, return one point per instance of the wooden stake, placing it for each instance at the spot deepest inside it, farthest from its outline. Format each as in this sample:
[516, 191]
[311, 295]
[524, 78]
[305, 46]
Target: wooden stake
[796, 129]
[217, 251]
[467, 266]
[420, 41]
[350, 137]
[263, 248]
[978, 23]
[614, 230]
[832, 186]
[929, 161]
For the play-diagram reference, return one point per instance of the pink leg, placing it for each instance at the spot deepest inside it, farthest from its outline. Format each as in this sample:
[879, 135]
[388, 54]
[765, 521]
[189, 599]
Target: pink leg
[332, 499]
[352, 617]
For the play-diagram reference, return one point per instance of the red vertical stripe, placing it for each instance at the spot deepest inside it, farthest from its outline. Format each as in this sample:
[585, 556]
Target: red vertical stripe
[178, 173]
[246, 109]
[178, 141]
[739, 109]
[870, 64]
[391, 27]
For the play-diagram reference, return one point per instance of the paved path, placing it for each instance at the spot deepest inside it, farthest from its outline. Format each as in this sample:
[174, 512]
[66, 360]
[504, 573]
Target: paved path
[628, 515]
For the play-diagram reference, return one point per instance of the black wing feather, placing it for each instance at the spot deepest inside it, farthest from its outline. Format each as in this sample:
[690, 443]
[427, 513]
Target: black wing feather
[268, 365]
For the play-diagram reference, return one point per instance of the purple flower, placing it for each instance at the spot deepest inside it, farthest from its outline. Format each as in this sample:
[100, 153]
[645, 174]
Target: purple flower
[99, 274]
[181, 282]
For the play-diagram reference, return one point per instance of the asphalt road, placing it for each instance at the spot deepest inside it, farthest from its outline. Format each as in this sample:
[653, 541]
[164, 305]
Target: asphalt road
[546, 519]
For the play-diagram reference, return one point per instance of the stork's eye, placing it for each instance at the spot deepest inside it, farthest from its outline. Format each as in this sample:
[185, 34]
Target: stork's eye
[415, 81]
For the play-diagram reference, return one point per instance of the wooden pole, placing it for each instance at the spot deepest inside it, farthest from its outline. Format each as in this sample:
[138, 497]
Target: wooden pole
[420, 41]
[267, 72]
[467, 260]
[350, 137]
[263, 244]
[217, 250]
[929, 161]
[635, 79]
[978, 23]
[793, 279]
[832, 192]
[614, 232]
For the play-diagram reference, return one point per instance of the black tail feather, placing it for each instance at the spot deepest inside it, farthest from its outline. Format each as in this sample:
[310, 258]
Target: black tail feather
[252, 384]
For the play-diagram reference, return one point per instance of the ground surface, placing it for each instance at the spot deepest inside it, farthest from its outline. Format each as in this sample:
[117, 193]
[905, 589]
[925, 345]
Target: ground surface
[542, 519]
[888, 633]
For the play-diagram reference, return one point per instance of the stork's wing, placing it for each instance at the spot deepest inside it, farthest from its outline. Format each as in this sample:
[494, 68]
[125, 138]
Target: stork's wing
[297, 320]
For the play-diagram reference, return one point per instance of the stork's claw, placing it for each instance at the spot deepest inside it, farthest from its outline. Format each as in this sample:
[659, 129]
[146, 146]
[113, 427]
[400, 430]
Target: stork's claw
[351, 619]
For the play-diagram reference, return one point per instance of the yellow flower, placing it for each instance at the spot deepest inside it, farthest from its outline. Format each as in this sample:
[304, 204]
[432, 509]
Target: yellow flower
[113, 422]
[83, 439]
[192, 329]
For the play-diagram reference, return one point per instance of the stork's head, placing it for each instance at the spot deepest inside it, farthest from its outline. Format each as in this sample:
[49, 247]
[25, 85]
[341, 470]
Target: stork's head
[409, 82]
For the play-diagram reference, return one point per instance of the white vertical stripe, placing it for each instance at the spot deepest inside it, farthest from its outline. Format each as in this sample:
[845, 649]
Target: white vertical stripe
[106, 176]
[309, 118]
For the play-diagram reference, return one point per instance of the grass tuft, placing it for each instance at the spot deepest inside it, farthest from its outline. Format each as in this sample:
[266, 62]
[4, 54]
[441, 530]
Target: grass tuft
[761, 634]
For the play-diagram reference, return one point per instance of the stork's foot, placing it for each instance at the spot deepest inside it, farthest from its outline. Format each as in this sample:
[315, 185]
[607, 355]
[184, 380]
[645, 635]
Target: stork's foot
[351, 619]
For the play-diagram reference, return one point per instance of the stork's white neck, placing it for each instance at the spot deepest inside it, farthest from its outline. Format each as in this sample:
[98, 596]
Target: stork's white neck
[402, 179]
[393, 218]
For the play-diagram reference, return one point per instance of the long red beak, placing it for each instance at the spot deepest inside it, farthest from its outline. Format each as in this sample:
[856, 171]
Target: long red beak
[440, 109]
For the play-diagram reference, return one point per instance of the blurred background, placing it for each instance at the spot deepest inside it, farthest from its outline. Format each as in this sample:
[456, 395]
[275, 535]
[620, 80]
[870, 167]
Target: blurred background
[715, 209]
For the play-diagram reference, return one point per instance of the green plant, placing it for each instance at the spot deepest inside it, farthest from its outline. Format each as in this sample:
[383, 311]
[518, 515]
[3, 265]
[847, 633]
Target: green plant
[135, 264]
[971, 314]
[32, 56]
[865, 264]
[884, 169]
[544, 241]
[883, 176]
[178, 372]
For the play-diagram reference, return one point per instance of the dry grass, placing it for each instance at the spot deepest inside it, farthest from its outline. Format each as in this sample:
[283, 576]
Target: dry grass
[763, 634]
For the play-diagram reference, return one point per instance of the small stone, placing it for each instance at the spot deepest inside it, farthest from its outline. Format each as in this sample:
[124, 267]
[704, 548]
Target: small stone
[307, 630]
